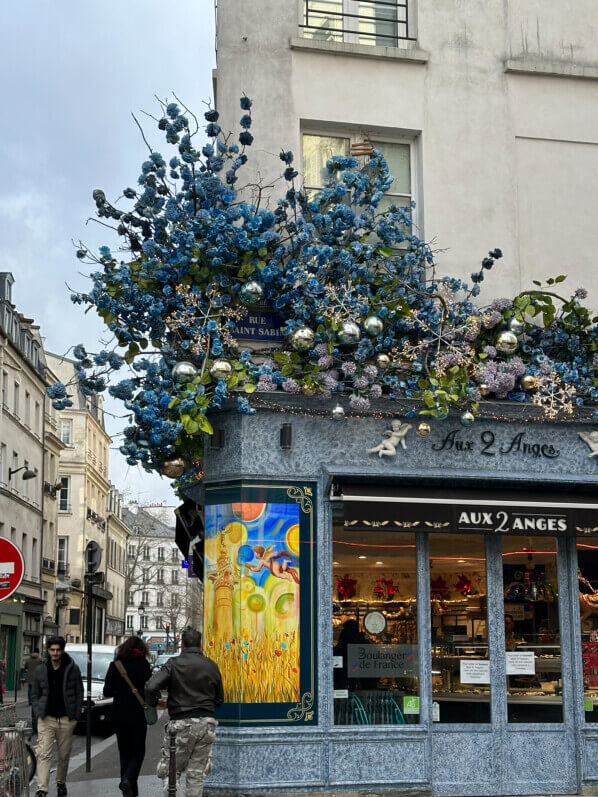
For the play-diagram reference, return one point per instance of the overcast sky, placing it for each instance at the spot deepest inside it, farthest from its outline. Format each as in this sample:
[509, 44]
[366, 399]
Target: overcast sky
[72, 72]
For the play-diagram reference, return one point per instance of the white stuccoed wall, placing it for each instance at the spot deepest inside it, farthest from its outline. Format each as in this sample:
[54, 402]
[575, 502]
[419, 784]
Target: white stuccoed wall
[507, 151]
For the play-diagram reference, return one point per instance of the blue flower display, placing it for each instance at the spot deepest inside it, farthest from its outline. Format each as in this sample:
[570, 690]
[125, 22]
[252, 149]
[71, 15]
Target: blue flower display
[380, 320]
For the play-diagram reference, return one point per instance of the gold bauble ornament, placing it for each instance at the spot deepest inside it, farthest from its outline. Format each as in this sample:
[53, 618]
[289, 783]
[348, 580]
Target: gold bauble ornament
[507, 342]
[529, 382]
[383, 361]
[484, 389]
[221, 369]
[173, 468]
[423, 429]
[308, 391]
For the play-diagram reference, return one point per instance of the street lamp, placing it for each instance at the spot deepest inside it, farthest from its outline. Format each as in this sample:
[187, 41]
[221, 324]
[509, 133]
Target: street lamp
[29, 474]
[141, 616]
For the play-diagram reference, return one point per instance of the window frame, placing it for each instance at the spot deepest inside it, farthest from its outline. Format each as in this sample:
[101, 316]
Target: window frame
[349, 33]
[66, 423]
[356, 134]
[65, 484]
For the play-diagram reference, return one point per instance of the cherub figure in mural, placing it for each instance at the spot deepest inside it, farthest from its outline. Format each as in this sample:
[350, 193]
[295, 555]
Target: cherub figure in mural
[276, 563]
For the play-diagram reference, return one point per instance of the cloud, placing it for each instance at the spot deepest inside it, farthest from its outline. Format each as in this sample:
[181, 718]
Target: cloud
[76, 71]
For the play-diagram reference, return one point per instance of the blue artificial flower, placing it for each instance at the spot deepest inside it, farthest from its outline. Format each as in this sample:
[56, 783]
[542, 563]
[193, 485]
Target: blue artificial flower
[245, 103]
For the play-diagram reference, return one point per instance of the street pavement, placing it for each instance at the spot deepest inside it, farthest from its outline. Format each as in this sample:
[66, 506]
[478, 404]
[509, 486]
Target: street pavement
[104, 777]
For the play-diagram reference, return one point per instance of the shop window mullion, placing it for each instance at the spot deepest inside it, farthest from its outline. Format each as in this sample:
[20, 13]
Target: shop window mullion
[565, 623]
[496, 632]
[424, 630]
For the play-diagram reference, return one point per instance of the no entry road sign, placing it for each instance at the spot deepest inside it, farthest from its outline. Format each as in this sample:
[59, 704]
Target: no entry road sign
[11, 568]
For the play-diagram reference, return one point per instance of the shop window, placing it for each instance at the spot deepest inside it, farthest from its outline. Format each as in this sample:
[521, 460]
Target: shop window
[587, 561]
[376, 665]
[460, 657]
[532, 633]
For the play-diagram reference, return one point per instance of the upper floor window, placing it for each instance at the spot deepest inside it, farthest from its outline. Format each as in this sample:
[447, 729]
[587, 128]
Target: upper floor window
[399, 156]
[4, 390]
[27, 408]
[160, 554]
[66, 431]
[379, 22]
[17, 399]
[146, 552]
[64, 501]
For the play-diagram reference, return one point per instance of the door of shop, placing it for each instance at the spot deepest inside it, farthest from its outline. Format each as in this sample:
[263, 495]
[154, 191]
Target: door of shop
[526, 741]
[500, 670]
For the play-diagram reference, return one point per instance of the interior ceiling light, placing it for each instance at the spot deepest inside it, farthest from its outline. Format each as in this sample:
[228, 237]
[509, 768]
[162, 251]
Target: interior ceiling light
[379, 563]
[461, 561]
[362, 557]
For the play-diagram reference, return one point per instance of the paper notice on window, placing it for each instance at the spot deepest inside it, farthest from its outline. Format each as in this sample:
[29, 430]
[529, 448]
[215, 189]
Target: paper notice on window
[475, 671]
[337, 662]
[340, 694]
[521, 662]
[516, 610]
[435, 712]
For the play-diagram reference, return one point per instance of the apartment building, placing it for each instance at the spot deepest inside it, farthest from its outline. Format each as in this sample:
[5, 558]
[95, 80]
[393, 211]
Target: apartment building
[162, 597]
[29, 449]
[115, 565]
[82, 504]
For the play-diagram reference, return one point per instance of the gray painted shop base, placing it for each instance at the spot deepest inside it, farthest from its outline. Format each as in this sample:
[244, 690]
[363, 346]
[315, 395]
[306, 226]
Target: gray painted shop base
[498, 758]
[350, 793]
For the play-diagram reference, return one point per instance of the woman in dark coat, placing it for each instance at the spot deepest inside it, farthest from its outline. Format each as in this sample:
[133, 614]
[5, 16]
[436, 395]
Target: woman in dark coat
[127, 713]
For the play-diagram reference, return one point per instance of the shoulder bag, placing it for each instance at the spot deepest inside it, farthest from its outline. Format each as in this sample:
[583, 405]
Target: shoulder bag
[151, 715]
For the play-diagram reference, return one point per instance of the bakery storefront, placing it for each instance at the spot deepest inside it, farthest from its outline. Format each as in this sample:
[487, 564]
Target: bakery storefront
[436, 611]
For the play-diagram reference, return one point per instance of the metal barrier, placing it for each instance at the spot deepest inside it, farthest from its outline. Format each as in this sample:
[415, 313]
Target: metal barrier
[14, 760]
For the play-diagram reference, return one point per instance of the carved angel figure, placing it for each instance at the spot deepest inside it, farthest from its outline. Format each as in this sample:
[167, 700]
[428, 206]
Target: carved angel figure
[276, 563]
[396, 435]
[591, 438]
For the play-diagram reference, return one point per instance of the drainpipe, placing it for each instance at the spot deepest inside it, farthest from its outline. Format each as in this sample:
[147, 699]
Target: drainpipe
[43, 508]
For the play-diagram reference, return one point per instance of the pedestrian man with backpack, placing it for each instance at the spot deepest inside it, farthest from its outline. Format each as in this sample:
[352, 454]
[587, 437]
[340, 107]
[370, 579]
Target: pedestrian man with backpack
[57, 702]
[194, 686]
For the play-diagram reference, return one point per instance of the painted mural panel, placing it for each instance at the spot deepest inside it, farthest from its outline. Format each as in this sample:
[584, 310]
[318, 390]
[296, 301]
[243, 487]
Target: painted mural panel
[258, 613]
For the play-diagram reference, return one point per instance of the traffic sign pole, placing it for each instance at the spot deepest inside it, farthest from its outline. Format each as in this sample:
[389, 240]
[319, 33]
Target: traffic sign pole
[93, 557]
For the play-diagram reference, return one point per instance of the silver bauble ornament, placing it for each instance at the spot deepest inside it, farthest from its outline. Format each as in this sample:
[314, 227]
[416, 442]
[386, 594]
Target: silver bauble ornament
[173, 468]
[184, 371]
[373, 325]
[507, 342]
[383, 361]
[349, 333]
[516, 326]
[251, 292]
[484, 389]
[529, 382]
[423, 429]
[467, 419]
[303, 339]
[338, 413]
[308, 391]
[221, 369]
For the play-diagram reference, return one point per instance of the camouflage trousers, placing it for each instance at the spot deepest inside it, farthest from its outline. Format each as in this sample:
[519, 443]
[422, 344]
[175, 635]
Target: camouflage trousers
[194, 739]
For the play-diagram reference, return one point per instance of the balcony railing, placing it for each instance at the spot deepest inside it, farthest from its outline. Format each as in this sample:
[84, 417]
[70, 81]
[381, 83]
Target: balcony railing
[379, 22]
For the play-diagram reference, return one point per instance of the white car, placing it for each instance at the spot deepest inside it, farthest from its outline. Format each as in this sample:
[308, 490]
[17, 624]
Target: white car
[101, 656]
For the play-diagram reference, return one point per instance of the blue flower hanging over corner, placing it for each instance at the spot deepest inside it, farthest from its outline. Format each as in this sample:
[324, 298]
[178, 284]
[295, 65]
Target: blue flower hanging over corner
[364, 311]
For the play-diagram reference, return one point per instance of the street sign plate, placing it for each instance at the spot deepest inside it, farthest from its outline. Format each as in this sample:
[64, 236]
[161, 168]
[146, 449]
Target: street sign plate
[12, 568]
